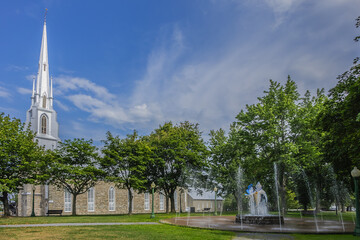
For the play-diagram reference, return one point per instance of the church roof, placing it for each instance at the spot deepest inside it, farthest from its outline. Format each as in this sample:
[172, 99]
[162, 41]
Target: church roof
[202, 194]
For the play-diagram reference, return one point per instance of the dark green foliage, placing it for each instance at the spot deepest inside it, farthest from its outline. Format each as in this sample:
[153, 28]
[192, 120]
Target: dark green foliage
[125, 162]
[20, 158]
[177, 150]
[340, 122]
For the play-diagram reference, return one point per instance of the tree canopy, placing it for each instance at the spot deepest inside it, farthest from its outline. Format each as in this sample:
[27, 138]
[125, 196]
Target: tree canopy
[75, 167]
[20, 158]
[125, 162]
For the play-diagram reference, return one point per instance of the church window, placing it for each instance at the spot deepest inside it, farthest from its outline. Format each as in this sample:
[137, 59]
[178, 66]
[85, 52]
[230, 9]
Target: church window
[46, 191]
[111, 199]
[147, 201]
[44, 66]
[43, 124]
[161, 203]
[175, 200]
[44, 101]
[67, 201]
[91, 199]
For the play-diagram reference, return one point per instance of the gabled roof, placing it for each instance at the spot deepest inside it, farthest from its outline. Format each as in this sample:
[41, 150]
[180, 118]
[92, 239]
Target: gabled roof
[202, 194]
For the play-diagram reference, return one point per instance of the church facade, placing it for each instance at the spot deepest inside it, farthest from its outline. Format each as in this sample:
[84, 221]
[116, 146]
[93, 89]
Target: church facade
[104, 198]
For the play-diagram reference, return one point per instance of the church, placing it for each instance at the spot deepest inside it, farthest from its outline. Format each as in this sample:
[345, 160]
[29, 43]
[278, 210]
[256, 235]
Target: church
[105, 197]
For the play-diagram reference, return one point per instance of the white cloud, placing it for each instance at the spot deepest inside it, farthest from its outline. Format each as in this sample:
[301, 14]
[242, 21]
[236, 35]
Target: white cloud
[4, 93]
[62, 106]
[68, 83]
[24, 91]
[16, 68]
[30, 77]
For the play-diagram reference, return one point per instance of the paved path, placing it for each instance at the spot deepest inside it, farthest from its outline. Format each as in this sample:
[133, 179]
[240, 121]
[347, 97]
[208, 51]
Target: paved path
[77, 224]
[262, 236]
[292, 225]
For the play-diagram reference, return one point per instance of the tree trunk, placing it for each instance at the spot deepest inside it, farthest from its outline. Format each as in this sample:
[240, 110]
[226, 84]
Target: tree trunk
[282, 191]
[343, 207]
[238, 203]
[172, 200]
[130, 201]
[167, 203]
[74, 205]
[6, 204]
[318, 207]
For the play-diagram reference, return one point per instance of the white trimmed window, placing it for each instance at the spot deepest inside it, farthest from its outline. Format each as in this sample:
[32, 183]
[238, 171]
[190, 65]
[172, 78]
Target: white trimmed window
[111, 199]
[91, 200]
[161, 202]
[175, 200]
[67, 201]
[146, 201]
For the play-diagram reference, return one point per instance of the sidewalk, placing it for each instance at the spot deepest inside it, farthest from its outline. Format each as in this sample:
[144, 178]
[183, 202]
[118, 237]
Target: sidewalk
[262, 236]
[76, 224]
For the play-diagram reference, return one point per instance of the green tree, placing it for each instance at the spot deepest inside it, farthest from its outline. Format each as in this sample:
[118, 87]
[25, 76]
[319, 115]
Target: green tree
[75, 167]
[225, 163]
[309, 161]
[125, 162]
[177, 149]
[20, 158]
[268, 127]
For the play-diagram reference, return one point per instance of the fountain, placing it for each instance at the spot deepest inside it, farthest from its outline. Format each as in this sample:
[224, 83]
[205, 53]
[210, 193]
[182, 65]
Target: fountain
[259, 213]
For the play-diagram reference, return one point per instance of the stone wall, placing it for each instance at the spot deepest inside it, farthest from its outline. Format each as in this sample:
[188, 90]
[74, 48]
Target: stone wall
[101, 201]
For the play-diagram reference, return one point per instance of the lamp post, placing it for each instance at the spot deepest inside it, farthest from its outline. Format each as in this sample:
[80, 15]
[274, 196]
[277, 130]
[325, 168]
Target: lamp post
[152, 202]
[33, 202]
[355, 173]
[215, 190]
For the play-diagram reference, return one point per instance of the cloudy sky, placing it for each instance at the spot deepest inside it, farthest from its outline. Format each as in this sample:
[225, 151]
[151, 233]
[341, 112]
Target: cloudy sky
[134, 64]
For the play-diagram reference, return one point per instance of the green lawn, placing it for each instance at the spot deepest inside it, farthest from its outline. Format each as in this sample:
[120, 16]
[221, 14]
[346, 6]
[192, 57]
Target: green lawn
[86, 219]
[161, 231]
[324, 237]
[157, 232]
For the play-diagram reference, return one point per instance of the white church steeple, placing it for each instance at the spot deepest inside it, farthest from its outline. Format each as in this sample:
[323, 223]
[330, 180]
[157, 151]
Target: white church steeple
[41, 116]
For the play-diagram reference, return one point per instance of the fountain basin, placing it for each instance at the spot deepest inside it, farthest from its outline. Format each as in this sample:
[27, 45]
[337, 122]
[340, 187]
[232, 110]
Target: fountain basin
[260, 220]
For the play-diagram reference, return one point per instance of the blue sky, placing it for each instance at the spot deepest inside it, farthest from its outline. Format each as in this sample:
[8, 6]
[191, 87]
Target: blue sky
[131, 64]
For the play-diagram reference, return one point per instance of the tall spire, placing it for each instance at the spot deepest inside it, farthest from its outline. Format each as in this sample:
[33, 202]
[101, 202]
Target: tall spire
[42, 84]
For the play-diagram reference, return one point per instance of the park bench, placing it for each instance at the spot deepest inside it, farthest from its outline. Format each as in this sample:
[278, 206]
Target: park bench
[54, 212]
[308, 213]
[206, 210]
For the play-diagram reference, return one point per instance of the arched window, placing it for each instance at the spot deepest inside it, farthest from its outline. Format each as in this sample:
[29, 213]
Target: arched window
[161, 204]
[91, 200]
[111, 199]
[44, 101]
[175, 200]
[67, 201]
[43, 124]
[147, 201]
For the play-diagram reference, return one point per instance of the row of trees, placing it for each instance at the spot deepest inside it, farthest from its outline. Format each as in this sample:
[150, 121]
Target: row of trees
[163, 157]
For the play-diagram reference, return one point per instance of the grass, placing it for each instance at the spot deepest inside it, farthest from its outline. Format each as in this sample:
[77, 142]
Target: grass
[327, 215]
[324, 237]
[157, 232]
[161, 231]
[85, 219]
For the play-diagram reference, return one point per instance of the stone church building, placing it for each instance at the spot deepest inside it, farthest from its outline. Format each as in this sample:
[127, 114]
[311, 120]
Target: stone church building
[104, 198]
